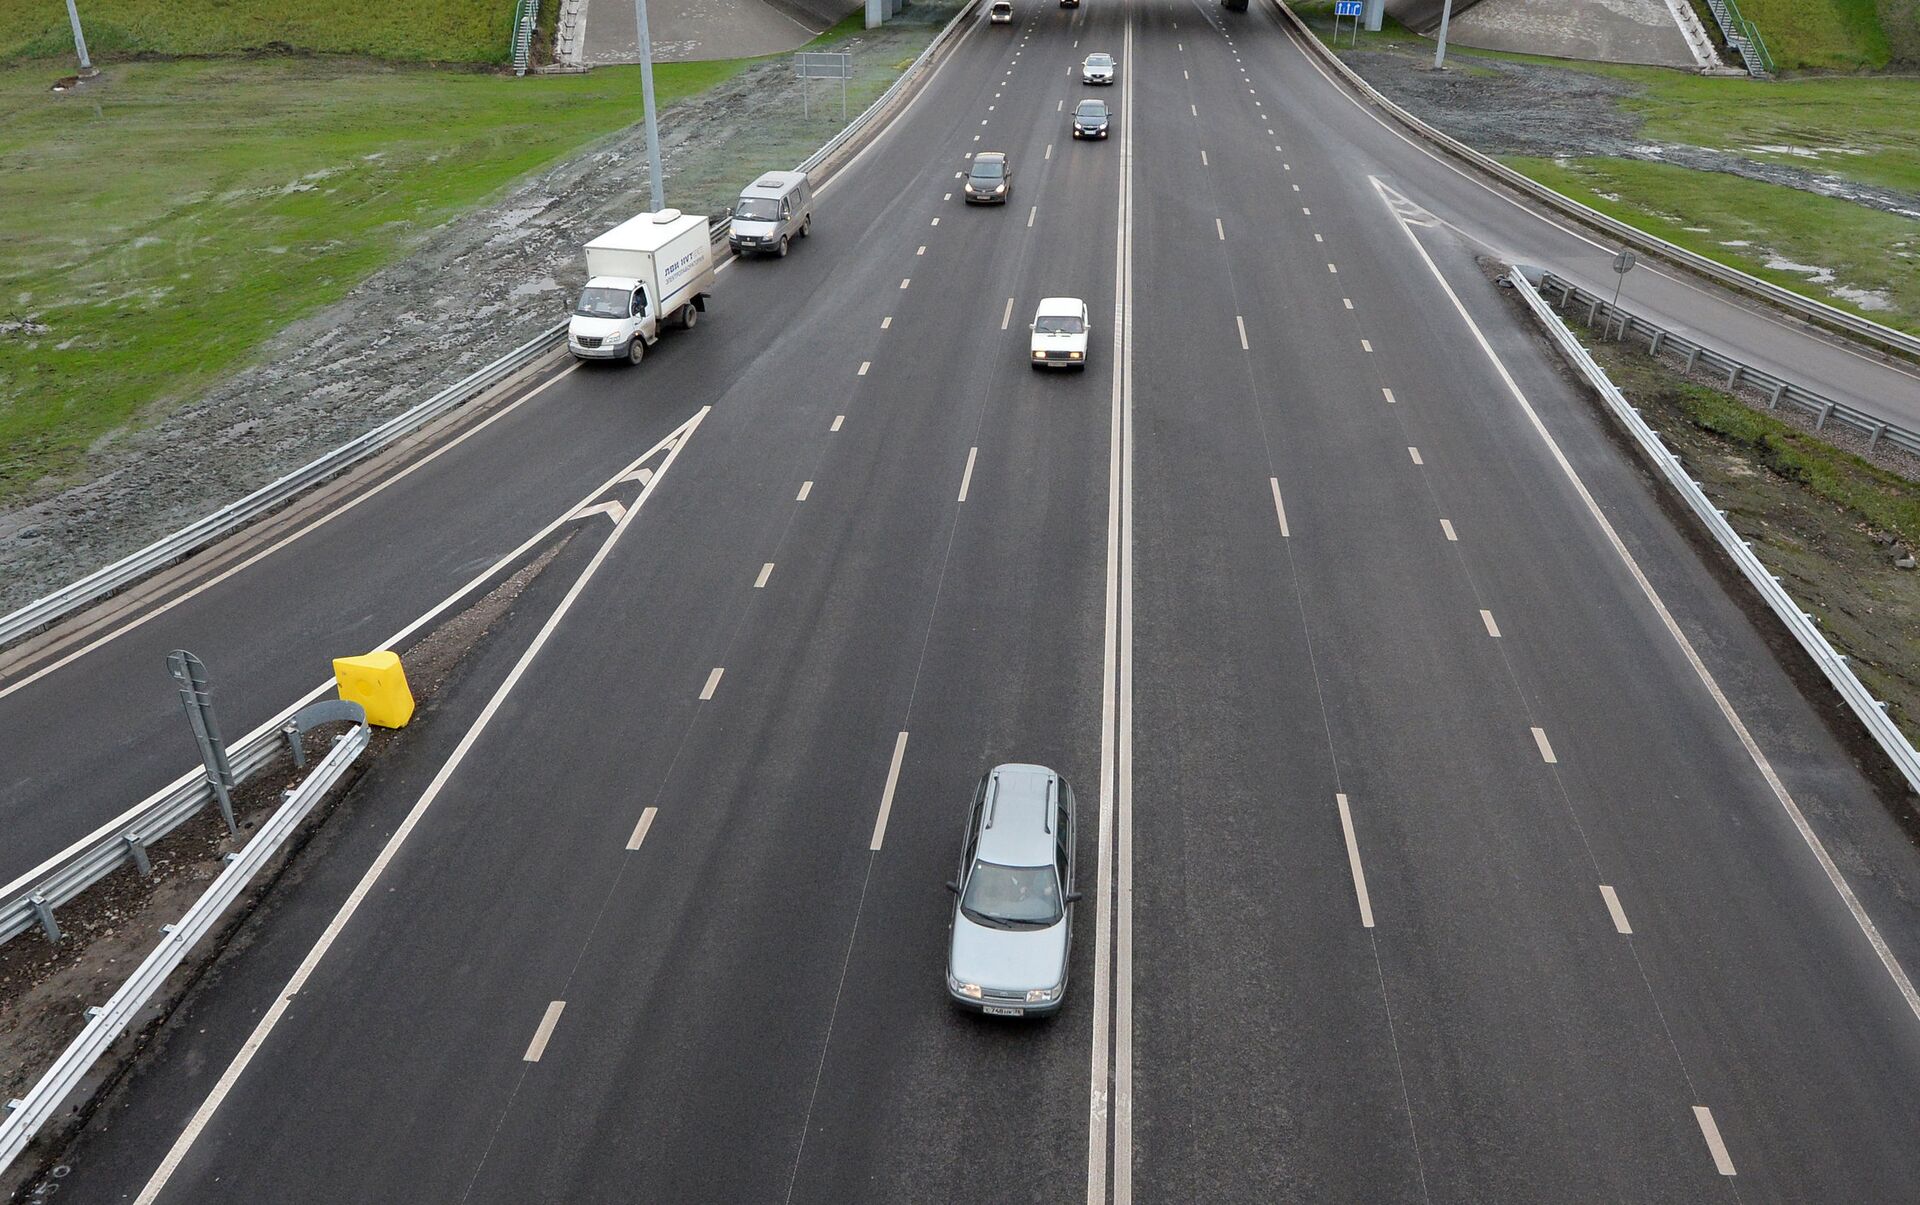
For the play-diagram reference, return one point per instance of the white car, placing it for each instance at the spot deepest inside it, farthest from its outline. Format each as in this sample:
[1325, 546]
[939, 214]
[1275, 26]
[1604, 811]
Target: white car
[1060, 333]
[1001, 13]
[1098, 69]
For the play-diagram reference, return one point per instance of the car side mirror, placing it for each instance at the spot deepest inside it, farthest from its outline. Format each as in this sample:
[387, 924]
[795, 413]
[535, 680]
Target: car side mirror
[1072, 897]
[953, 885]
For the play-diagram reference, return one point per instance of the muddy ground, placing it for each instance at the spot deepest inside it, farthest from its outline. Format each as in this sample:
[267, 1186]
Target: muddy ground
[1508, 108]
[472, 290]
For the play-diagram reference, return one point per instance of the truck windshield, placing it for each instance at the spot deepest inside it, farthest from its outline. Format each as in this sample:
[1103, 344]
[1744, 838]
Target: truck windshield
[603, 303]
[757, 209]
[1012, 897]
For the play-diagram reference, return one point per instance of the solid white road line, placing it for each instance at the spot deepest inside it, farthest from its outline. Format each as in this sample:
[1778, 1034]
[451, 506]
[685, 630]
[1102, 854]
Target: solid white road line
[1279, 507]
[1546, 750]
[640, 829]
[886, 795]
[1415, 453]
[713, 682]
[538, 1046]
[1614, 910]
[1110, 1094]
[1446, 526]
[966, 478]
[1493, 629]
[1241, 323]
[1006, 315]
[837, 420]
[1388, 394]
[806, 487]
[1758, 756]
[1353, 863]
[1722, 1162]
[766, 571]
[264, 1028]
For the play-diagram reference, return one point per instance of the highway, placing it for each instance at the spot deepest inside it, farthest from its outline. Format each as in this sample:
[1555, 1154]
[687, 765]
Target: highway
[1449, 832]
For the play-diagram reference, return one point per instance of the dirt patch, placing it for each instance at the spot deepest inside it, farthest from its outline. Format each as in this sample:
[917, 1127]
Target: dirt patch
[46, 989]
[1507, 108]
[472, 290]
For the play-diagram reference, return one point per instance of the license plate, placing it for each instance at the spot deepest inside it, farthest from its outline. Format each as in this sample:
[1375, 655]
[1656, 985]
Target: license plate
[995, 1010]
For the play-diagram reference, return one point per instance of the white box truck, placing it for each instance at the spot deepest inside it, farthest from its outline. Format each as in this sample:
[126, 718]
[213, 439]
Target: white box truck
[649, 271]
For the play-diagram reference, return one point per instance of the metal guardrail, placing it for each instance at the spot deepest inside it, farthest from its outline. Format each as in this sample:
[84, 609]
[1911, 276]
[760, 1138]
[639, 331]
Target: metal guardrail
[1885, 337]
[1832, 663]
[105, 1024]
[33, 899]
[1617, 323]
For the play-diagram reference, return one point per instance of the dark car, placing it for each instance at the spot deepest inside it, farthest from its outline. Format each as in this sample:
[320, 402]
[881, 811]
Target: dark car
[1090, 118]
[990, 182]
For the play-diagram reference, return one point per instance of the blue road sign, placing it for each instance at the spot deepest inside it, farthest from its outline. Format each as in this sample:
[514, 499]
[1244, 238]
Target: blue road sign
[1346, 8]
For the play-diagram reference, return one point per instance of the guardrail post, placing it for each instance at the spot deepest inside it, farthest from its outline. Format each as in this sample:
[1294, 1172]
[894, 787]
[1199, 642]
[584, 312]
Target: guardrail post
[1773, 401]
[1733, 375]
[137, 849]
[1593, 307]
[1826, 412]
[195, 696]
[43, 912]
[1659, 337]
[295, 747]
[1693, 357]
[1874, 441]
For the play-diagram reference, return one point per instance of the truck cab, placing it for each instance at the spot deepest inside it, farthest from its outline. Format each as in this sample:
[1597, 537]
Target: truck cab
[611, 320]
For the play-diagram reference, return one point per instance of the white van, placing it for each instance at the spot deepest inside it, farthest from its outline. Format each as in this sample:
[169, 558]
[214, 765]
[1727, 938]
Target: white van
[772, 212]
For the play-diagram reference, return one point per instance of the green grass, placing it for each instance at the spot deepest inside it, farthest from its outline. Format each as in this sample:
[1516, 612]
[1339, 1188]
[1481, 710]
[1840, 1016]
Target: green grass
[1865, 248]
[1831, 35]
[445, 31]
[166, 223]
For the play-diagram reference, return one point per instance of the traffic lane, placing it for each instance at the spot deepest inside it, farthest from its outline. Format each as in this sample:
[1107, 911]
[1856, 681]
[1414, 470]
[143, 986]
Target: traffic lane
[1010, 672]
[1469, 886]
[842, 577]
[1794, 994]
[1251, 961]
[1519, 231]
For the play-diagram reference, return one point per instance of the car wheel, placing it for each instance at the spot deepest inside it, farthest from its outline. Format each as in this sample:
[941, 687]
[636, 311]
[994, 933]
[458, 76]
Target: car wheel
[806, 227]
[782, 253]
[636, 349]
[688, 316]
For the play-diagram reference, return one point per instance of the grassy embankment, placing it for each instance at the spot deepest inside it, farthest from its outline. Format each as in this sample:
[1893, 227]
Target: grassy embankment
[1837, 35]
[157, 228]
[433, 31]
[1860, 128]
[1827, 522]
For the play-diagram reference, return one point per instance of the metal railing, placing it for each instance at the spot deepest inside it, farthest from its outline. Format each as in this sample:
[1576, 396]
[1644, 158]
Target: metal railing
[1744, 36]
[105, 1024]
[1899, 342]
[525, 14]
[1616, 323]
[886, 98]
[1871, 711]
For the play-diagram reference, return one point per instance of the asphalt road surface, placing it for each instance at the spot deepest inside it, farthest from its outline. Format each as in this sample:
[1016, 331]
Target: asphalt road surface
[1449, 833]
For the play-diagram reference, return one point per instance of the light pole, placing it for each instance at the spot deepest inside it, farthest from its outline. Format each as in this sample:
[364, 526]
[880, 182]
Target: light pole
[1440, 51]
[646, 98]
[79, 39]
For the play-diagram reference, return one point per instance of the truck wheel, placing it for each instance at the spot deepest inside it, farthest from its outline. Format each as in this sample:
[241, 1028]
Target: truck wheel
[783, 247]
[688, 316]
[636, 349]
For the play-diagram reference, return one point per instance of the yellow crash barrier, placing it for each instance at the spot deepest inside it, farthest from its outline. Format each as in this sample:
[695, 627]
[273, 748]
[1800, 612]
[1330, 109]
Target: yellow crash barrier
[378, 683]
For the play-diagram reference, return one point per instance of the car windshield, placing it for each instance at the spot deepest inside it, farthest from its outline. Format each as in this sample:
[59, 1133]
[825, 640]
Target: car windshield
[991, 169]
[757, 209]
[1091, 110]
[1058, 324]
[1011, 897]
[602, 303]
[1099, 60]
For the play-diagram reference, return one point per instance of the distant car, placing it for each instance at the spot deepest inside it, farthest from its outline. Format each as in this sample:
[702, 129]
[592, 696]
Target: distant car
[1069, 3]
[1090, 119]
[1012, 926]
[990, 181]
[1098, 69]
[1060, 333]
[1001, 13]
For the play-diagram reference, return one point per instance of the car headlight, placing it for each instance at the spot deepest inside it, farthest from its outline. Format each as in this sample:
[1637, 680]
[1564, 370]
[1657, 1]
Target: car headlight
[1076, 355]
[1044, 995]
[1000, 189]
[970, 990]
[1038, 354]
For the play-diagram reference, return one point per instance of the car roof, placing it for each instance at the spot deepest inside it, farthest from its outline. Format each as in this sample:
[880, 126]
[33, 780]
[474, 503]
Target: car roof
[1091, 103]
[1016, 828]
[1001, 156]
[1100, 54]
[1060, 305]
